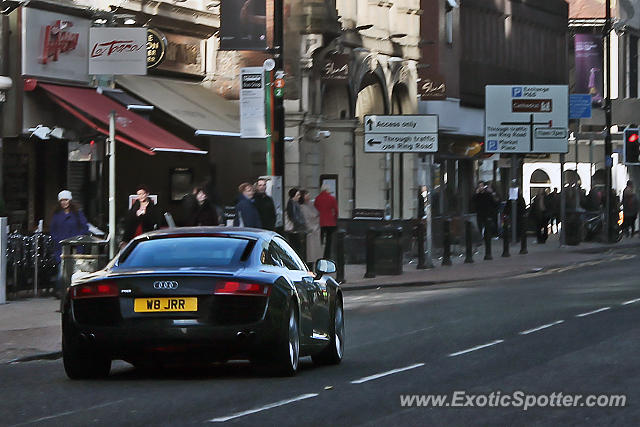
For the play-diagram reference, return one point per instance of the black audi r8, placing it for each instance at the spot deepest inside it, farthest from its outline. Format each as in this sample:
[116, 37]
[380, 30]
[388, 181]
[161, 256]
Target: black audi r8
[207, 294]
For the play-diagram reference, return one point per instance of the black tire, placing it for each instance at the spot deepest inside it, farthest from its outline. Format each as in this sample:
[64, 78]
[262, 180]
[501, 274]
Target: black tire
[81, 363]
[334, 352]
[285, 359]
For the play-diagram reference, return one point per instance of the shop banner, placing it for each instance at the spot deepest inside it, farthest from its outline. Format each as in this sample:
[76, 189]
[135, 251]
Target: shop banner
[55, 45]
[243, 25]
[589, 61]
[118, 51]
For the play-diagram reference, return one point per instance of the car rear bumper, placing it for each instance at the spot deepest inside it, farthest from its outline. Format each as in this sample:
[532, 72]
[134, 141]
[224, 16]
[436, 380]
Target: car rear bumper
[176, 337]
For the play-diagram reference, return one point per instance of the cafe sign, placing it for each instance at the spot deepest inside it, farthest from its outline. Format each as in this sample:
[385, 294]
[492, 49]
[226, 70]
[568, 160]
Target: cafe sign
[156, 47]
[118, 51]
[54, 45]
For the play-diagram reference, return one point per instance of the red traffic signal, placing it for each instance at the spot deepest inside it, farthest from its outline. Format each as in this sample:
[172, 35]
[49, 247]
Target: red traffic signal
[631, 146]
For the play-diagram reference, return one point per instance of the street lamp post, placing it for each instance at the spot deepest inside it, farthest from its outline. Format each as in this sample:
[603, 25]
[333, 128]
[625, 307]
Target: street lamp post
[607, 111]
[278, 130]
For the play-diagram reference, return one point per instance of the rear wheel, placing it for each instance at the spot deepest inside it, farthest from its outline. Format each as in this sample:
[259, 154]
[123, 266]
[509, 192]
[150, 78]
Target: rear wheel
[284, 361]
[80, 363]
[332, 354]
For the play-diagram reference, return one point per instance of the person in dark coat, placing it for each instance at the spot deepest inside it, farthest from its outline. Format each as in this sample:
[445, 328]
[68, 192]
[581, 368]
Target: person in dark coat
[294, 221]
[204, 212]
[264, 204]
[540, 216]
[143, 216]
[67, 221]
[485, 205]
[247, 214]
[630, 209]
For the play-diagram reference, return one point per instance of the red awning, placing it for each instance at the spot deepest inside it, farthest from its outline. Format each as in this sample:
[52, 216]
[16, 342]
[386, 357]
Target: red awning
[131, 129]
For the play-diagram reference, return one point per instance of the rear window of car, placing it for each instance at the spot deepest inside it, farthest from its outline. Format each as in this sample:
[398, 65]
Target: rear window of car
[185, 252]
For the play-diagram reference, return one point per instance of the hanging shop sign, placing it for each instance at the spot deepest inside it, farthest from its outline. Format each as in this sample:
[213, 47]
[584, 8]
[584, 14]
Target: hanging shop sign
[431, 86]
[55, 45]
[184, 54]
[118, 51]
[336, 68]
[156, 47]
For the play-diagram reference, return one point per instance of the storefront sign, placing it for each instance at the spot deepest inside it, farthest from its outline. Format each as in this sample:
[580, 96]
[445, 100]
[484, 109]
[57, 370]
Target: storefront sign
[118, 51]
[336, 69]
[55, 45]
[156, 47]
[184, 54]
[431, 86]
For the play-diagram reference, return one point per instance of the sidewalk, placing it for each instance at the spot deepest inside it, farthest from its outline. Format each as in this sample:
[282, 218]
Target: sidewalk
[539, 257]
[30, 328]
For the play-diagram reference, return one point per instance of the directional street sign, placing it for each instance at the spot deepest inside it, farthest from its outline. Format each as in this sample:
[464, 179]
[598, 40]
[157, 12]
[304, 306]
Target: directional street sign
[526, 119]
[401, 134]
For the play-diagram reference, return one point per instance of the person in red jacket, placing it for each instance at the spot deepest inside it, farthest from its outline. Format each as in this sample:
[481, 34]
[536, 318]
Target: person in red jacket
[327, 206]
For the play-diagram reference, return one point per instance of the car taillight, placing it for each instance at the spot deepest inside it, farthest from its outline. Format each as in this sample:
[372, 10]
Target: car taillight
[241, 288]
[95, 290]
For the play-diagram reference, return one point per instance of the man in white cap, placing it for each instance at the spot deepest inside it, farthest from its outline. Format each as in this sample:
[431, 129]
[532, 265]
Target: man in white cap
[67, 221]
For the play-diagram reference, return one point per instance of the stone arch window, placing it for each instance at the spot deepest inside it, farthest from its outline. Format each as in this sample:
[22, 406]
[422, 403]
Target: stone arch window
[540, 177]
[571, 178]
[539, 182]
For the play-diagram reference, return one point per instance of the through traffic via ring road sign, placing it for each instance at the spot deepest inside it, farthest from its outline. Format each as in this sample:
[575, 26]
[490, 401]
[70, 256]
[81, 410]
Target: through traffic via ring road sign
[401, 133]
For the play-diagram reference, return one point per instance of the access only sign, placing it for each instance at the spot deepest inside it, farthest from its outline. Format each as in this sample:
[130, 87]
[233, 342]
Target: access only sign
[401, 134]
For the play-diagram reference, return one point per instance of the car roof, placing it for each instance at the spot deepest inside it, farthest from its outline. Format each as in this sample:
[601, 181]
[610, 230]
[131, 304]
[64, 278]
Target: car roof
[254, 233]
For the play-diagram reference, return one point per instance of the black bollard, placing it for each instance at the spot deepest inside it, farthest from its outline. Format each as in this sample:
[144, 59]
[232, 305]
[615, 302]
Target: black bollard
[446, 256]
[469, 243]
[487, 244]
[397, 253]
[523, 238]
[506, 236]
[421, 236]
[371, 254]
[340, 256]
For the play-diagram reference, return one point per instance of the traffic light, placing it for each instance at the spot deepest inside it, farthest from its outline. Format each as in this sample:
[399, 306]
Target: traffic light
[632, 146]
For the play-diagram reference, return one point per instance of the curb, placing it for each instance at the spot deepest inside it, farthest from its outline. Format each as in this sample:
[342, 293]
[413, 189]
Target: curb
[415, 284]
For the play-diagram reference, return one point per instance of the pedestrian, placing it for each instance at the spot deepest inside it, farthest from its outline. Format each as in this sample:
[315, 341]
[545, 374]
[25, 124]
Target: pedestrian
[67, 221]
[327, 207]
[143, 216]
[553, 207]
[247, 214]
[540, 216]
[485, 204]
[312, 222]
[294, 221]
[264, 204]
[629, 209]
[204, 212]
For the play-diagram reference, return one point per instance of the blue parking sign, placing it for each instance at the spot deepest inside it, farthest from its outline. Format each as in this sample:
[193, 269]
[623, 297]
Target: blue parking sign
[492, 145]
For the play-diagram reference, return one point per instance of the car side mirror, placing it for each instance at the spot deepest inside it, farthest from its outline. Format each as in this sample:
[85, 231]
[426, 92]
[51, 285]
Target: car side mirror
[324, 266]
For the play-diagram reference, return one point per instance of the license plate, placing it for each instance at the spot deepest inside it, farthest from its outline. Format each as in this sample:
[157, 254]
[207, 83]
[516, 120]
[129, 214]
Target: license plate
[145, 305]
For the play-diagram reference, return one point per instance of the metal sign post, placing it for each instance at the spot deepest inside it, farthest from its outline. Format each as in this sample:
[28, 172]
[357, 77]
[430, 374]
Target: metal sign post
[112, 184]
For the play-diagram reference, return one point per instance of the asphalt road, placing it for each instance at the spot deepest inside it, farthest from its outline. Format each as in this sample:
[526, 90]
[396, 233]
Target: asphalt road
[573, 331]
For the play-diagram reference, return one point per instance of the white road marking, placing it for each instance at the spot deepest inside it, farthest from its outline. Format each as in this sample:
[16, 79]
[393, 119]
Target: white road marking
[476, 348]
[631, 301]
[384, 374]
[539, 328]
[593, 312]
[263, 408]
[62, 414]
[391, 338]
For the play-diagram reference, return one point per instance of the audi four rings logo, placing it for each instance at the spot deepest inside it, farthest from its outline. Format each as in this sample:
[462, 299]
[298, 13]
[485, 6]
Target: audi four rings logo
[165, 284]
